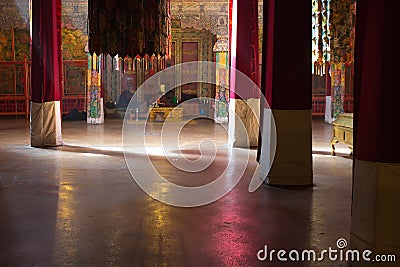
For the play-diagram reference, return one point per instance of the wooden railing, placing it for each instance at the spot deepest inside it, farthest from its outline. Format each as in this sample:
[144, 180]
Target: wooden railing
[15, 87]
[319, 103]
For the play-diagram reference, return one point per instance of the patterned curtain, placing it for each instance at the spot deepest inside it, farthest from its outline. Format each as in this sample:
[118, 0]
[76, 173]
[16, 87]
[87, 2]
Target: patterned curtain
[129, 27]
[342, 29]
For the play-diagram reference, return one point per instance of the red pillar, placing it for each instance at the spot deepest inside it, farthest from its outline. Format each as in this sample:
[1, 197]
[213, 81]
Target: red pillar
[376, 177]
[46, 73]
[286, 83]
[244, 100]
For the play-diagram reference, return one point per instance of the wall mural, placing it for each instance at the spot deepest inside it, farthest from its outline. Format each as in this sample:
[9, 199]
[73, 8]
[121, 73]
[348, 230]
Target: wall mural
[21, 45]
[14, 22]
[5, 45]
[14, 14]
[74, 42]
[22, 39]
[212, 15]
[13, 75]
[7, 80]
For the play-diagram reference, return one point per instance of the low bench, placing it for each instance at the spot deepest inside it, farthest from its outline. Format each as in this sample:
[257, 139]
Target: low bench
[159, 114]
[343, 131]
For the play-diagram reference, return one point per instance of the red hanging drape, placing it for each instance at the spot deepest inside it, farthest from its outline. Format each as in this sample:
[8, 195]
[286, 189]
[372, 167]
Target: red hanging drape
[287, 55]
[376, 89]
[247, 48]
[46, 74]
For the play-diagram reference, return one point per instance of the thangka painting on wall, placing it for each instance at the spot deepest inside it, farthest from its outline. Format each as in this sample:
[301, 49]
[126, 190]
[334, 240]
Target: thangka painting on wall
[222, 90]
[74, 83]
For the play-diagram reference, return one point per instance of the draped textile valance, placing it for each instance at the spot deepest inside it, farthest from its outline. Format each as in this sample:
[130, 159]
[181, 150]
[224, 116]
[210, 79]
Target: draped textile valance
[129, 27]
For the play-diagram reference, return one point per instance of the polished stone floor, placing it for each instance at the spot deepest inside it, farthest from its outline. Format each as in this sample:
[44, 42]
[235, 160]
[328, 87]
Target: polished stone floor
[77, 205]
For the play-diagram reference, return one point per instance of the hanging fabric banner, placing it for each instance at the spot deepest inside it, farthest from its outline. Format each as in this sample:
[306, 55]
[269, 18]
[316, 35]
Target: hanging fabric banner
[129, 27]
[338, 84]
[116, 27]
[320, 35]
[222, 86]
[95, 114]
[342, 34]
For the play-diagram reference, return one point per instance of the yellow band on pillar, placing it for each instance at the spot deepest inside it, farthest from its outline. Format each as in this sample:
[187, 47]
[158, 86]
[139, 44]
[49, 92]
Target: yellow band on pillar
[46, 124]
[244, 123]
[375, 221]
[293, 157]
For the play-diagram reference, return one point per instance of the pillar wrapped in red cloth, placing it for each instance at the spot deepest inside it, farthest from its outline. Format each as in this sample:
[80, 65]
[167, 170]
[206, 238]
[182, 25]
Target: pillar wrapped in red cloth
[46, 75]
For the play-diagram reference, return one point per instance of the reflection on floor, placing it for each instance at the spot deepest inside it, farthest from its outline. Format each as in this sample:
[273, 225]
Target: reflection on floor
[78, 205]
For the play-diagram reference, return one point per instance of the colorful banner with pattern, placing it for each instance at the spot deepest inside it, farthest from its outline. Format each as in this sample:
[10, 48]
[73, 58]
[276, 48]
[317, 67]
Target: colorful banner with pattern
[222, 88]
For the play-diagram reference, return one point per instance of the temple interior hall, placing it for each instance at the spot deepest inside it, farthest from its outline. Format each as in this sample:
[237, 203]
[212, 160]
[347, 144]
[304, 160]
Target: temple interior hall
[199, 133]
[77, 205]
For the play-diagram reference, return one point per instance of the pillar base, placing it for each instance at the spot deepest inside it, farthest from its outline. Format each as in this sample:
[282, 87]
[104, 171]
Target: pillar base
[244, 116]
[292, 164]
[46, 124]
[375, 209]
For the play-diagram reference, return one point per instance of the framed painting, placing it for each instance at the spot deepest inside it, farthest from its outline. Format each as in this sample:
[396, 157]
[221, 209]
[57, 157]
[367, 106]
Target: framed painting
[75, 78]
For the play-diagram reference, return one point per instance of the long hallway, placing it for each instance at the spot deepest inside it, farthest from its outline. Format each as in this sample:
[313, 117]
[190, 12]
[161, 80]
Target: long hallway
[77, 205]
